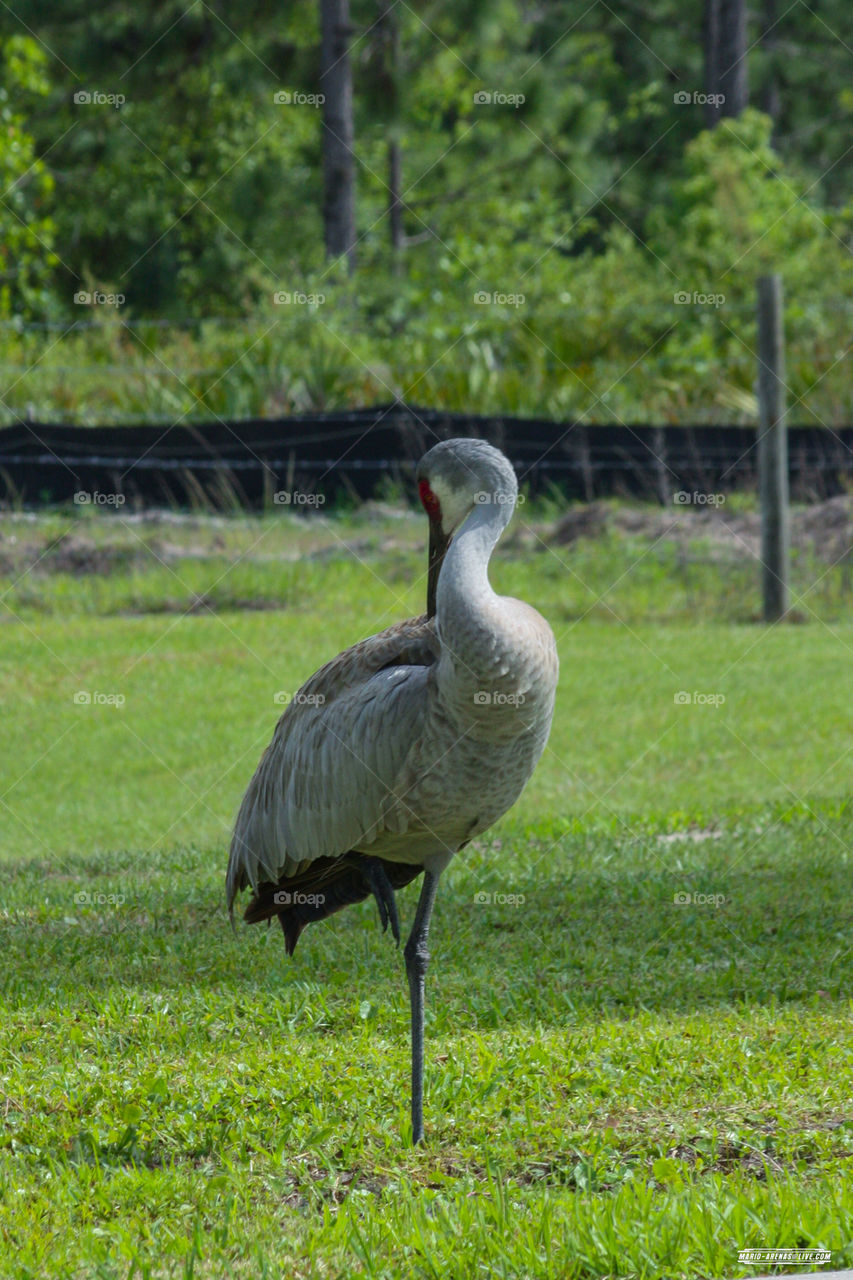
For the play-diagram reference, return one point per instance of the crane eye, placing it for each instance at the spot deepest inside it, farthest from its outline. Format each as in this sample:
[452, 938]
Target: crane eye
[429, 501]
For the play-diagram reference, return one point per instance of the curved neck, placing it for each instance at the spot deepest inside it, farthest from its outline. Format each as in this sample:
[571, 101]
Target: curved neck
[463, 585]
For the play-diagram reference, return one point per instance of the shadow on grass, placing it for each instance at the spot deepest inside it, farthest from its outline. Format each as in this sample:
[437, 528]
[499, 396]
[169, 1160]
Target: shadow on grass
[734, 920]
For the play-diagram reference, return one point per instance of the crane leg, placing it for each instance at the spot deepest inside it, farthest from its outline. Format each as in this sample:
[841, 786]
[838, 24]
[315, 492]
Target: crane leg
[383, 892]
[417, 959]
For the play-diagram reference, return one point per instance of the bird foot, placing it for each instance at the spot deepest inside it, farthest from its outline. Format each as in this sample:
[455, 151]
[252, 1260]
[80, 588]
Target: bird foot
[383, 892]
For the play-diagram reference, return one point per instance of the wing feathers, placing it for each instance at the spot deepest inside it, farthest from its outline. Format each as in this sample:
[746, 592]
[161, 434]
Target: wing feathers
[326, 784]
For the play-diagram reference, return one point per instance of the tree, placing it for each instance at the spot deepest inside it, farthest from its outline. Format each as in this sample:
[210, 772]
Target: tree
[771, 101]
[338, 131]
[390, 38]
[487, 133]
[726, 79]
[177, 197]
[26, 227]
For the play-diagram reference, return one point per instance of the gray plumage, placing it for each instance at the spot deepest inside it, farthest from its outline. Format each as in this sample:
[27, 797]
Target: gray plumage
[400, 750]
[332, 777]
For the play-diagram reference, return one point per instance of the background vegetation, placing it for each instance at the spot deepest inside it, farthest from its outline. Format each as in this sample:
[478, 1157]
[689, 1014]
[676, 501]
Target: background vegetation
[599, 200]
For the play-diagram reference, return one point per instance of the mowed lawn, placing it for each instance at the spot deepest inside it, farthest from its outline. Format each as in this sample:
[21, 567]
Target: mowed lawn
[638, 1023]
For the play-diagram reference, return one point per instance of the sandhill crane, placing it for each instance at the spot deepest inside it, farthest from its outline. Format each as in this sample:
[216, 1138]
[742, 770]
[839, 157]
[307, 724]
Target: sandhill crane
[395, 754]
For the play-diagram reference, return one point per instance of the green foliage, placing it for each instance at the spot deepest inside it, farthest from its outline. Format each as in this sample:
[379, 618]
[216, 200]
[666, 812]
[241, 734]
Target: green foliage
[26, 225]
[737, 214]
[582, 196]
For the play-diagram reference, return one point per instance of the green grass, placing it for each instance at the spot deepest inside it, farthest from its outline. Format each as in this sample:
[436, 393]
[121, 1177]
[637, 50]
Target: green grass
[619, 1082]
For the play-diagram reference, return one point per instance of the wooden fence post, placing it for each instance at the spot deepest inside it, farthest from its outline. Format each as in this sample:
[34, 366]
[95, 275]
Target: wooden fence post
[772, 450]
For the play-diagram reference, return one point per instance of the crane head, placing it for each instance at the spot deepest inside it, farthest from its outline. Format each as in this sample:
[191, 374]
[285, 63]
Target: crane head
[454, 477]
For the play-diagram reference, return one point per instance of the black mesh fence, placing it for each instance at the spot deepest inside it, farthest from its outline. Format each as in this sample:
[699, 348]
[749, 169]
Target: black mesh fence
[359, 451]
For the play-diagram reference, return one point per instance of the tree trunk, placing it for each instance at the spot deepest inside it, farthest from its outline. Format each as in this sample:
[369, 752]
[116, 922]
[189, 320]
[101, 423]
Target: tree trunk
[338, 156]
[711, 39]
[772, 102]
[395, 158]
[726, 80]
[395, 208]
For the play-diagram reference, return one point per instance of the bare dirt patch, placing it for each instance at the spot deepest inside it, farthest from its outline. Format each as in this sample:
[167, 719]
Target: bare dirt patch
[825, 528]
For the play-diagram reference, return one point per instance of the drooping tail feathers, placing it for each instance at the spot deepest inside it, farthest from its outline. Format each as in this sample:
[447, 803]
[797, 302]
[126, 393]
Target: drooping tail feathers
[326, 886]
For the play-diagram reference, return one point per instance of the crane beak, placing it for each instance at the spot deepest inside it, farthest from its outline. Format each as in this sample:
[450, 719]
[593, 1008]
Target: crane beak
[439, 541]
